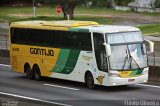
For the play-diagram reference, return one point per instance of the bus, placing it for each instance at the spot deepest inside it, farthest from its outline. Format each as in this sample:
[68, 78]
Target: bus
[82, 51]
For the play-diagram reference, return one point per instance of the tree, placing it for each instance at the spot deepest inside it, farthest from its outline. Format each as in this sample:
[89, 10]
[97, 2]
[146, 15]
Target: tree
[157, 3]
[123, 2]
[68, 7]
[5, 2]
[110, 3]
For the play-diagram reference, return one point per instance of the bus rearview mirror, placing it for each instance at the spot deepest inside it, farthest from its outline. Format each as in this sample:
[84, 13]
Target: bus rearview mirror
[151, 46]
[108, 49]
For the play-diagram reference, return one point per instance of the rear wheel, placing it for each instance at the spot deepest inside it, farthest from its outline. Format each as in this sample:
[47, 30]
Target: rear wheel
[28, 71]
[90, 81]
[37, 74]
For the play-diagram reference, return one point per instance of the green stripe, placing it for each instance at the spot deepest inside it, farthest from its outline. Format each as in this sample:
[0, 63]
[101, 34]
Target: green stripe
[139, 72]
[83, 30]
[66, 61]
[78, 30]
[71, 62]
[133, 73]
[61, 61]
[73, 29]
[136, 72]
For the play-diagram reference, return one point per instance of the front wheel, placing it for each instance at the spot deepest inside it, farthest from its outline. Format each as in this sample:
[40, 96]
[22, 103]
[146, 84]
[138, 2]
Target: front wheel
[90, 81]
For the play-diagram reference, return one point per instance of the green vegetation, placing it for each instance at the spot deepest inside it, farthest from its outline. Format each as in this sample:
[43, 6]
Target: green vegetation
[101, 20]
[12, 14]
[49, 13]
[97, 10]
[81, 13]
[23, 13]
[150, 29]
[150, 14]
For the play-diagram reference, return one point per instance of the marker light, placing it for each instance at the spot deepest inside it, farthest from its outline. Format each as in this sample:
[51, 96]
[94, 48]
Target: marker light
[144, 81]
[114, 83]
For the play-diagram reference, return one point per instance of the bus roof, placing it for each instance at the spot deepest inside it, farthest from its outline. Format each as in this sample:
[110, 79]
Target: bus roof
[72, 25]
[110, 28]
[64, 23]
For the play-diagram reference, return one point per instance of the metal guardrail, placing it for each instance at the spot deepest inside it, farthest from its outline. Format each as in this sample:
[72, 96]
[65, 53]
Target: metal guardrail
[4, 53]
[4, 42]
[155, 58]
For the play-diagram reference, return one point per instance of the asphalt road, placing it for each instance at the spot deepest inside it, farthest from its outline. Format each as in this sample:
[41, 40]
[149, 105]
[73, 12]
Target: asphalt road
[53, 92]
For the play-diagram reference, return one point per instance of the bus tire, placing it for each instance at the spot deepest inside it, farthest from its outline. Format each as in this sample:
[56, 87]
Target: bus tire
[37, 74]
[28, 71]
[89, 81]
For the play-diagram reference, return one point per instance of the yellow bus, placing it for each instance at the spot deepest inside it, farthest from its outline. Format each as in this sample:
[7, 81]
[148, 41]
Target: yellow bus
[82, 51]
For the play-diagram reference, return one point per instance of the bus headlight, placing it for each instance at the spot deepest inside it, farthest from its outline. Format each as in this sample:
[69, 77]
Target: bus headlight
[114, 75]
[145, 71]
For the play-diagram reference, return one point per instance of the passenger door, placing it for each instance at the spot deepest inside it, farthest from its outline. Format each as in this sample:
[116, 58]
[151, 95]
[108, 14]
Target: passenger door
[100, 53]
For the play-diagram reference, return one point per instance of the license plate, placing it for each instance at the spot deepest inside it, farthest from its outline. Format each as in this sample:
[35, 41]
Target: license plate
[131, 80]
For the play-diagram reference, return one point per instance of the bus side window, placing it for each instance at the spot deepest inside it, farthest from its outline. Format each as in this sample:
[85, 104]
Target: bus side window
[100, 51]
[12, 35]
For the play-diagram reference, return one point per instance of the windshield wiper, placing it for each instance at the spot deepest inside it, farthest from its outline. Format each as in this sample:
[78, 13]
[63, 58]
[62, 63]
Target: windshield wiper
[131, 57]
[125, 60]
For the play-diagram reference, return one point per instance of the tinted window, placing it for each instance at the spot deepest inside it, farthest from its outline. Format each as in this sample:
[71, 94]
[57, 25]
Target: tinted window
[100, 52]
[49, 38]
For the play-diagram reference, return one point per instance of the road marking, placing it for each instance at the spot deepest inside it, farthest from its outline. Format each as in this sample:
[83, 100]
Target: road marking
[35, 99]
[5, 65]
[148, 85]
[62, 87]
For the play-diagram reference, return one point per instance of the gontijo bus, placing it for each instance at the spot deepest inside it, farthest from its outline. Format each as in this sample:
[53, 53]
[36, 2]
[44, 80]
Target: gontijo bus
[82, 51]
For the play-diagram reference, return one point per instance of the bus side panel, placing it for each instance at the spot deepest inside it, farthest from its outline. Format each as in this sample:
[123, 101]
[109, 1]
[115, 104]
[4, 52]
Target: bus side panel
[85, 63]
[44, 57]
[16, 59]
[75, 66]
[64, 63]
[48, 63]
[14, 62]
[19, 55]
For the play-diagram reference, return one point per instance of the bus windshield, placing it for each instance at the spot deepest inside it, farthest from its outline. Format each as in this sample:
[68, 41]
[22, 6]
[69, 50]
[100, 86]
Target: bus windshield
[127, 57]
[128, 51]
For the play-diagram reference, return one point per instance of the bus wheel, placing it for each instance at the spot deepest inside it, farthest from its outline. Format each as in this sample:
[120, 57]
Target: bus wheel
[90, 81]
[28, 71]
[37, 74]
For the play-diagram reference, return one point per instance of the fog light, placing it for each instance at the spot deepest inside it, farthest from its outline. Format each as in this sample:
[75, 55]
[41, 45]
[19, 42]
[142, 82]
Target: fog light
[144, 81]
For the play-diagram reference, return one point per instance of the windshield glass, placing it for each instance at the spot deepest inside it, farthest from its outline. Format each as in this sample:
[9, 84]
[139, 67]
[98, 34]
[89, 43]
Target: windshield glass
[128, 51]
[124, 37]
[126, 57]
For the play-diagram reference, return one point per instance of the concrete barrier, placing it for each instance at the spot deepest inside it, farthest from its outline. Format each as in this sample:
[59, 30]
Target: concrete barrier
[154, 73]
[4, 57]
[4, 53]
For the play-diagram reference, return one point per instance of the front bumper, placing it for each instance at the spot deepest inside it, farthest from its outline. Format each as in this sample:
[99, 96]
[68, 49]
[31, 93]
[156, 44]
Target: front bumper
[116, 81]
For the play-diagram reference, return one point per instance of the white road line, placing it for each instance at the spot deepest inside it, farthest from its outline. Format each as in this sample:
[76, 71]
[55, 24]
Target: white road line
[61, 87]
[5, 65]
[148, 85]
[35, 99]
